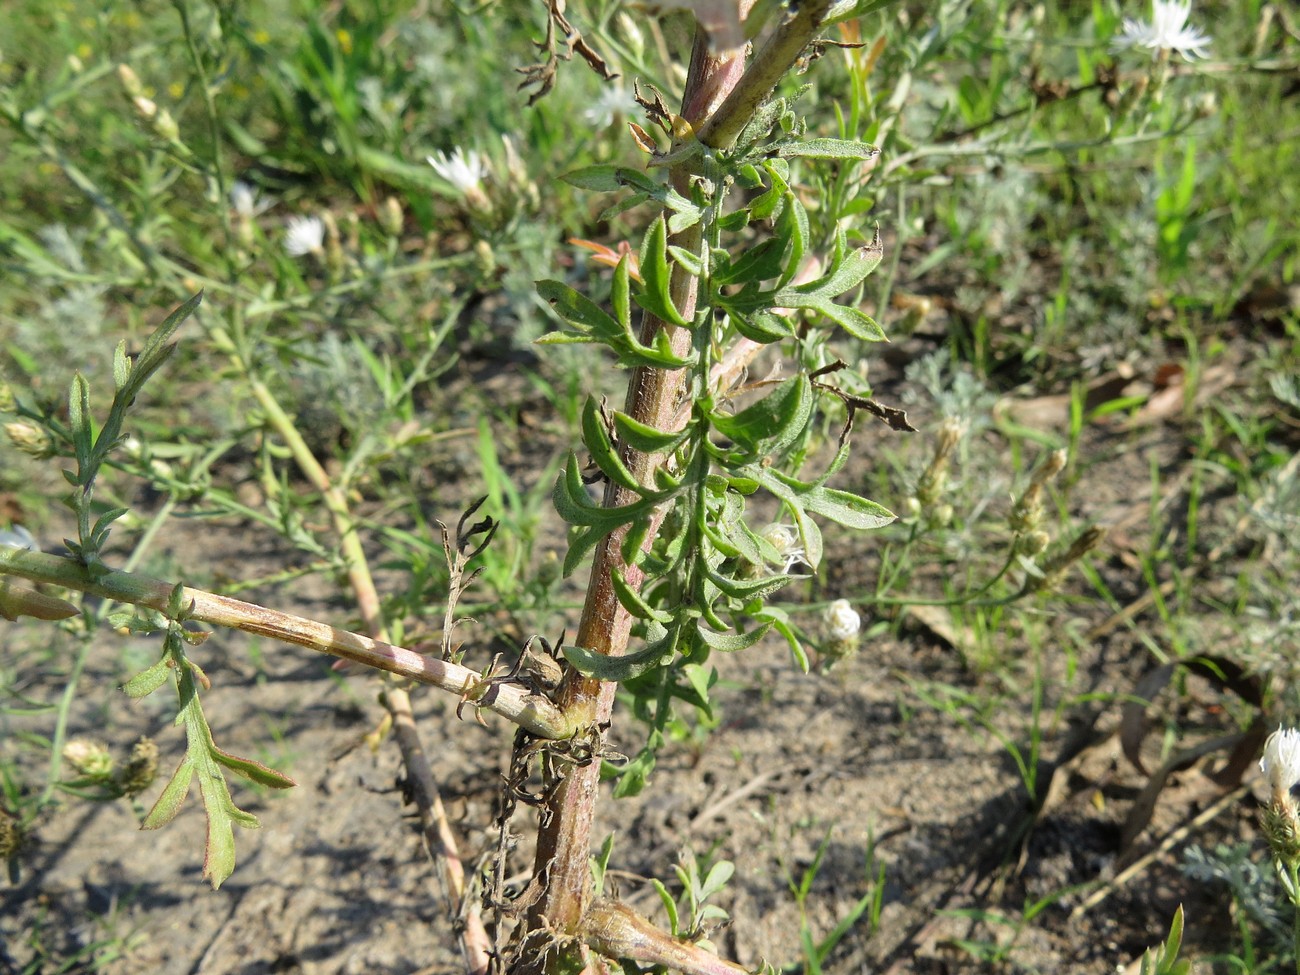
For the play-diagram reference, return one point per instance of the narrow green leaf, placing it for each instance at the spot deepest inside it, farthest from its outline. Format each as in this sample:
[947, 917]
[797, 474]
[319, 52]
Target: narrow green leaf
[763, 327]
[616, 669]
[158, 348]
[601, 179]
[731, 642]
[774, 421]
[828, 149]
[577, 309]
[645, 438]
[251, 769]
[148, 681]
[79, 421]
[846, 509]
[780, 624]
[173, 797]
[634, 603]
[746, 589]
[121, 366]
[694, 266]
[602, 449]
[857, 324]
[655, 296]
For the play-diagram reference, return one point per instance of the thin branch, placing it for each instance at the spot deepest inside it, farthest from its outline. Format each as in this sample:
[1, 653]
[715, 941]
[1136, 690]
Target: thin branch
[515, 703]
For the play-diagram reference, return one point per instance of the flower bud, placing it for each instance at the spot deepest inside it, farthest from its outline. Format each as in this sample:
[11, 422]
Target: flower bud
[140, 769]
[842, 626]
[30, 439]
[89, 758]
[130, 81]
[391, 217]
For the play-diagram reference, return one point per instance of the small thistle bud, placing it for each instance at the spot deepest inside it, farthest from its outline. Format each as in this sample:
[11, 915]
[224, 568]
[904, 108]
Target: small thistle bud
[929, 489]
[391, 217]
[146, 107]
[30, 439]
[1055, 567]
[75, 64]
[487, 260]
[842, 626]
[1027, 512]
[333, 244]
[166, 126]
[11, 835]
[89, 758]
[140, 769]
[130, 81]
[1207, 105]
[1032, 543]
[7, 402]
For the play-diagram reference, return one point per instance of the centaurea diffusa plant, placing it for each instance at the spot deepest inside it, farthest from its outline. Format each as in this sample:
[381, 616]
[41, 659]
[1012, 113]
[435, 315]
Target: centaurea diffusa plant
[1280, 819]
[677, 573]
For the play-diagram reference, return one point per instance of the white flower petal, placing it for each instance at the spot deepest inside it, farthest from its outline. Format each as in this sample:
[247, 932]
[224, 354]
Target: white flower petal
[1168, 31]
[463, 170]
[842, 620]
[304, 235]
[1281, 761]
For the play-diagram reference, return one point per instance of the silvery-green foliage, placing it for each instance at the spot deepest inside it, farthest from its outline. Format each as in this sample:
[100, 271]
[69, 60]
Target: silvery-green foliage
[1253, 887]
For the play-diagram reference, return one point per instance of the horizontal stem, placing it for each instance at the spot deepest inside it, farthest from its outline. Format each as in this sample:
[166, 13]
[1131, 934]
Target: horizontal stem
[532, 712]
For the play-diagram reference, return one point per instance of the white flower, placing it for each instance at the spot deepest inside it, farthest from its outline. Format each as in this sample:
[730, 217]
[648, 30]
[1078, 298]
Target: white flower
[245, 200]
[614, 101]
[842, 620]
[304, 235]
[463, 170]
[784, 539]
[1281, 761]
[1168, 31]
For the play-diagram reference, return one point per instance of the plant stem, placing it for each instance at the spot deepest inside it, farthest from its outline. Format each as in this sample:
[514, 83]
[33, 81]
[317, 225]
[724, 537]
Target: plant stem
[719, 98]
[528, 710]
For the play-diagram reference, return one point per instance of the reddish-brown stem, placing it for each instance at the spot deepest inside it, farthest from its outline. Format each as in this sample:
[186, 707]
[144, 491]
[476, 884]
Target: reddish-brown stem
[720, 96]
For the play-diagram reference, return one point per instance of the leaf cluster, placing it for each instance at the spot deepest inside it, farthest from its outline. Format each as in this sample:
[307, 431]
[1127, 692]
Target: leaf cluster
[709, 572]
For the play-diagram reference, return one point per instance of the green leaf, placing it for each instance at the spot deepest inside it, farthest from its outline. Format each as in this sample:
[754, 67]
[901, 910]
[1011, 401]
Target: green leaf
[730, 642]
[576, 507]
[857, 324]
[827, 149]
[600, 179]
[633, 602]
[775, 421]
[602, 449]
[645, 438]
[656, 277]
[589, 663]
[205, 760]
[158, 349]
[620, 293]
[148, 681]
[79, 422]
[762, 327]
[846, 509]
[173, 797]
[747, 589]
[755, 264]
[780, 622]
[845, 275]
[577, 309]
[691, 261]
